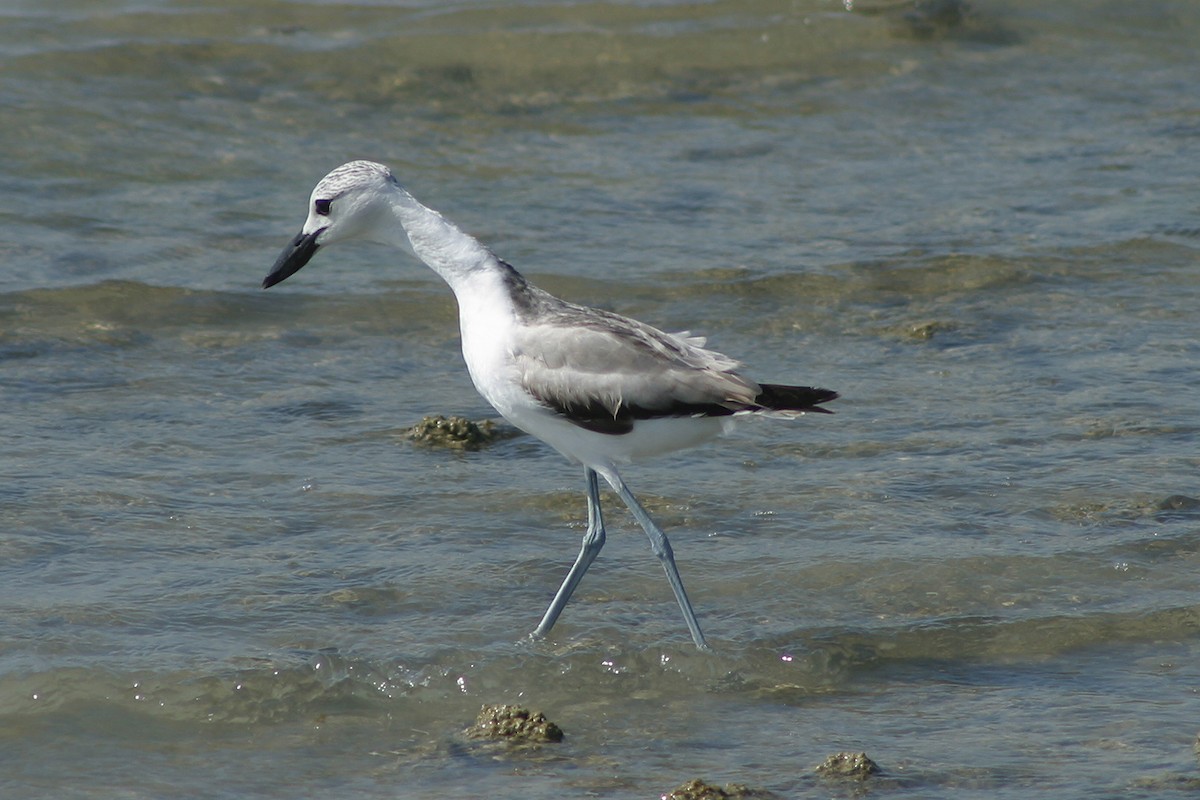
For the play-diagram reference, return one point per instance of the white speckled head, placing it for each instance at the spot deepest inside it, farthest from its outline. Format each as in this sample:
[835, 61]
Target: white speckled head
[345, 204]
[351, 202]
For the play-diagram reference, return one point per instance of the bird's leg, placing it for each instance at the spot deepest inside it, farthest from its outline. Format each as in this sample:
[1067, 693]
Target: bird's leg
[662, 549]
[593, 540]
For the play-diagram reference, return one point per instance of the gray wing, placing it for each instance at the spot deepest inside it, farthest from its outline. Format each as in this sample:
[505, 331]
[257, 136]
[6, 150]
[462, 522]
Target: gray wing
[604, 371]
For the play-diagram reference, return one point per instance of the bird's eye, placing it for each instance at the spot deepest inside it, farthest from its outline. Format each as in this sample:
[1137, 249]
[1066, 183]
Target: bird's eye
[322, 207]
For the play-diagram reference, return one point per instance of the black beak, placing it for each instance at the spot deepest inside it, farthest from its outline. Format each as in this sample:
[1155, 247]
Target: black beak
[293, 257]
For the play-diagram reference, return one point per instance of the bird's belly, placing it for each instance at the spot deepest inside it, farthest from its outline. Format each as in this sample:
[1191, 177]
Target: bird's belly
[648, 438]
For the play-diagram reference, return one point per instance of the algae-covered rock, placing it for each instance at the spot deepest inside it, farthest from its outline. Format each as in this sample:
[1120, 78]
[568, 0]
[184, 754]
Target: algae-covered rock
[855, 766]
[454, 432]
[697, 789]
[514, 724]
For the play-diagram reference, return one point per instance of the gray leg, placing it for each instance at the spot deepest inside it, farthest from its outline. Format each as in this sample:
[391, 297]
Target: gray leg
[662, 549]
[593, 540]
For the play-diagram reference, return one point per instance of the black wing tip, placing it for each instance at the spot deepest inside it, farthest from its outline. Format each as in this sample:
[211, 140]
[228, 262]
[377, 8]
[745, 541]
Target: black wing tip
[776, 397]
[826, 395]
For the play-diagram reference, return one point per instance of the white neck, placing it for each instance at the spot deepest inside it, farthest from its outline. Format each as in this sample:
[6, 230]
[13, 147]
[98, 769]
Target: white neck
[482, 286]
[458, 257]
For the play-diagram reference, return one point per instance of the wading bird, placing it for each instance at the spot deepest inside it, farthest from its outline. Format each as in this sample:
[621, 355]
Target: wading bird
[600, 388]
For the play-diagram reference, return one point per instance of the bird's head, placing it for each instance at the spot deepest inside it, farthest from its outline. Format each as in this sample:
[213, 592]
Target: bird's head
[348, 203]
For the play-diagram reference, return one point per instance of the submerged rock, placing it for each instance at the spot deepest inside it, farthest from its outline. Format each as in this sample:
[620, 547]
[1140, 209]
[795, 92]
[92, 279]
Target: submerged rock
[454, 432]
[928, 19]
[514, 724]
[920, 330]
[919, 19]
[927, 329]
[1173, 782]
[1179, 502]
[856, 766]
[697, 789]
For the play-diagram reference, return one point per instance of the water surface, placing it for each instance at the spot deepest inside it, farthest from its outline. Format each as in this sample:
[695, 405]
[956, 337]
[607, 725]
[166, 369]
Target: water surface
[227, 573]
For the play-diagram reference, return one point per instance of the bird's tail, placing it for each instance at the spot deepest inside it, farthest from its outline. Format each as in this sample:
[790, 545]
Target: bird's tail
[793, 399]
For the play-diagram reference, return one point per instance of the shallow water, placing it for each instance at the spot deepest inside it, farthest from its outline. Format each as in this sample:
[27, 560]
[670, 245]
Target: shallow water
[227, 573]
